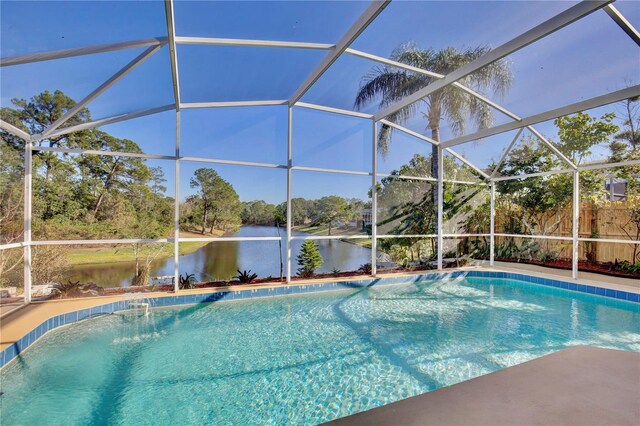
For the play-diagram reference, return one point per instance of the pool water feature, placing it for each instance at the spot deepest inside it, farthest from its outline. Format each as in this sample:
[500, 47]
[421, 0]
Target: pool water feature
[300, 359]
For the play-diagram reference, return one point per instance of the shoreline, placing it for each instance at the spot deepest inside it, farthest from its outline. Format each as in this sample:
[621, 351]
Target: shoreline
[104, 256]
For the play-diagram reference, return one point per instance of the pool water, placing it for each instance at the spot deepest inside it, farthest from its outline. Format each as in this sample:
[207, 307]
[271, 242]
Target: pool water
[300, 359]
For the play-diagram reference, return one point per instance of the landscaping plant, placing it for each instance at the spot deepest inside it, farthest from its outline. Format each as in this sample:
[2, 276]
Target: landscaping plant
[75, 289]
[187, 282]
[245, 277]
[309, 259]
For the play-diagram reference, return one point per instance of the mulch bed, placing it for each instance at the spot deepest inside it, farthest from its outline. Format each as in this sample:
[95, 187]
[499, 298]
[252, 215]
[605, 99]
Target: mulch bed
[565, 264]
[596, 268]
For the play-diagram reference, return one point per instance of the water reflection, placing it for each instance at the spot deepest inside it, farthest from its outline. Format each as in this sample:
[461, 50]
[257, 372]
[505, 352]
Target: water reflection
[219, 260]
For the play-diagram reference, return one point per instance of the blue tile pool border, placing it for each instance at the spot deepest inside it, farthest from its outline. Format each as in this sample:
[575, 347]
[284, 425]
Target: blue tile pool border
[12, 351]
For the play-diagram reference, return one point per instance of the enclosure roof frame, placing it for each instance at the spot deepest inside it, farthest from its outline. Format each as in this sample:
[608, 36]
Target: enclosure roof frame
[334, 51]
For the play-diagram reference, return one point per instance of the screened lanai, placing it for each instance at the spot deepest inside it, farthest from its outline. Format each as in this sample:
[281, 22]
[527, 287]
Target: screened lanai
[174, 144]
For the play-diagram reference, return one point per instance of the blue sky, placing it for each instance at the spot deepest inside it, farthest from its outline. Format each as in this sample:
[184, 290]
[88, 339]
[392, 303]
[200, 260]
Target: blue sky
[586, 59]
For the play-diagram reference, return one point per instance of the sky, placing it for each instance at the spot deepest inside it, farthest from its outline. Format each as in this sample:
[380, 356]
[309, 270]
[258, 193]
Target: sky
[588, 58]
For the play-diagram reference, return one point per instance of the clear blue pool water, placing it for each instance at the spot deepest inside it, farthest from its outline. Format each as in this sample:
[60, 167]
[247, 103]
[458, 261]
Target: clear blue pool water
[299, 359]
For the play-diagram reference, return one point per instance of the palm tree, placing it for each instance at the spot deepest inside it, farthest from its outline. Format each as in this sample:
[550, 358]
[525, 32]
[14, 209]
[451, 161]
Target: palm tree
[458, 107]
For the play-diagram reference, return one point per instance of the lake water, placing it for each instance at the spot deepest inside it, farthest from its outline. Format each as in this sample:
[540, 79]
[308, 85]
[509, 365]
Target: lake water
[219, 260]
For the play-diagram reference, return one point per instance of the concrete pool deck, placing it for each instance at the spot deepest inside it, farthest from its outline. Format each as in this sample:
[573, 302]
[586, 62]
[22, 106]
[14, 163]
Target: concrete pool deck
[580, 385]
[18, 322]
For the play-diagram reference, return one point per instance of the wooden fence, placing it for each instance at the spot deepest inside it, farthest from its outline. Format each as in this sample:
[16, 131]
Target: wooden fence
[609, 221]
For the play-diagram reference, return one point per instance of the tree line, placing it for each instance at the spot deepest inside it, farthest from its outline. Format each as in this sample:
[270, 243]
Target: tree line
[112, 196]
[83, 196]
[217, 206]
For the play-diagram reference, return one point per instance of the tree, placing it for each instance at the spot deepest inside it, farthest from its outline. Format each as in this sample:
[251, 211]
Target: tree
[577, 134]
[104, 174]
[44, 109]
[13, 117]
[626, 145]
[538, 205]
[11, 193]
[529, 201]
[309, 259]
[157, 180]
[331, 209]
[87, 196]
[221, 205]
[580, 132]
[301, 210]
[11, 204]
[392, 84]
[630, 134]
[258, 212]
[407, 206]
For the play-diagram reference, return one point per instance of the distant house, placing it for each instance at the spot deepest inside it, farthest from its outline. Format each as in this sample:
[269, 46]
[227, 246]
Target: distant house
[616, 188]
[365, 217]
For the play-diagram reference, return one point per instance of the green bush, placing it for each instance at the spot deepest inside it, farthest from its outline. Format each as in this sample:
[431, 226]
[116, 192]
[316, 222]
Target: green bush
[366, 268]
[187, 282]
[309, 259]
[245, 277]
[630, 268]
[549, 256]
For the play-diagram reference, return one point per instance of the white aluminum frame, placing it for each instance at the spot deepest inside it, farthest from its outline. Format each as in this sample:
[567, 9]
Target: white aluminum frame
[80, 51]
[548, 27]
[623, 23]
[334, 51]
[440, 207]
[374, 199]
[609, 98]
[28, 185]
[212, 41]
[289, 188]
[102, 88]
[231, 104]
[374, 9]
[10, 128]
[575, 225]
[492, 224]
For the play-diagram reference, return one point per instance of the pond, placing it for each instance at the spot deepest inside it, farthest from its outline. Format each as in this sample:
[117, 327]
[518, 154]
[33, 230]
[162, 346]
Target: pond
[220, 260]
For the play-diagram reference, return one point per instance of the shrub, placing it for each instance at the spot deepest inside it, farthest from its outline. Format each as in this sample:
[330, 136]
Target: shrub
[186, 282]
[528, 250]
[245, 277]
[479, 249]
[309, 259]
[428, 265]
[629, 268]
[462, 261]
[366, 268]
[141, 278]
[75, 289]
[48, 264]
[549, 256]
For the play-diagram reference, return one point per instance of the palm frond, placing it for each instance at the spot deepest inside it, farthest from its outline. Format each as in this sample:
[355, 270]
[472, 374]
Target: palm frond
[389, 85]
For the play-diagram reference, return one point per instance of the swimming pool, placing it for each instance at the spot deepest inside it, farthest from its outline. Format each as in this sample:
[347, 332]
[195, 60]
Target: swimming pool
[300, 359]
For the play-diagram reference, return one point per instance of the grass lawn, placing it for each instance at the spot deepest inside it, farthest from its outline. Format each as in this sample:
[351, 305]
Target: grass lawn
[324, 230]
[80, 255]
